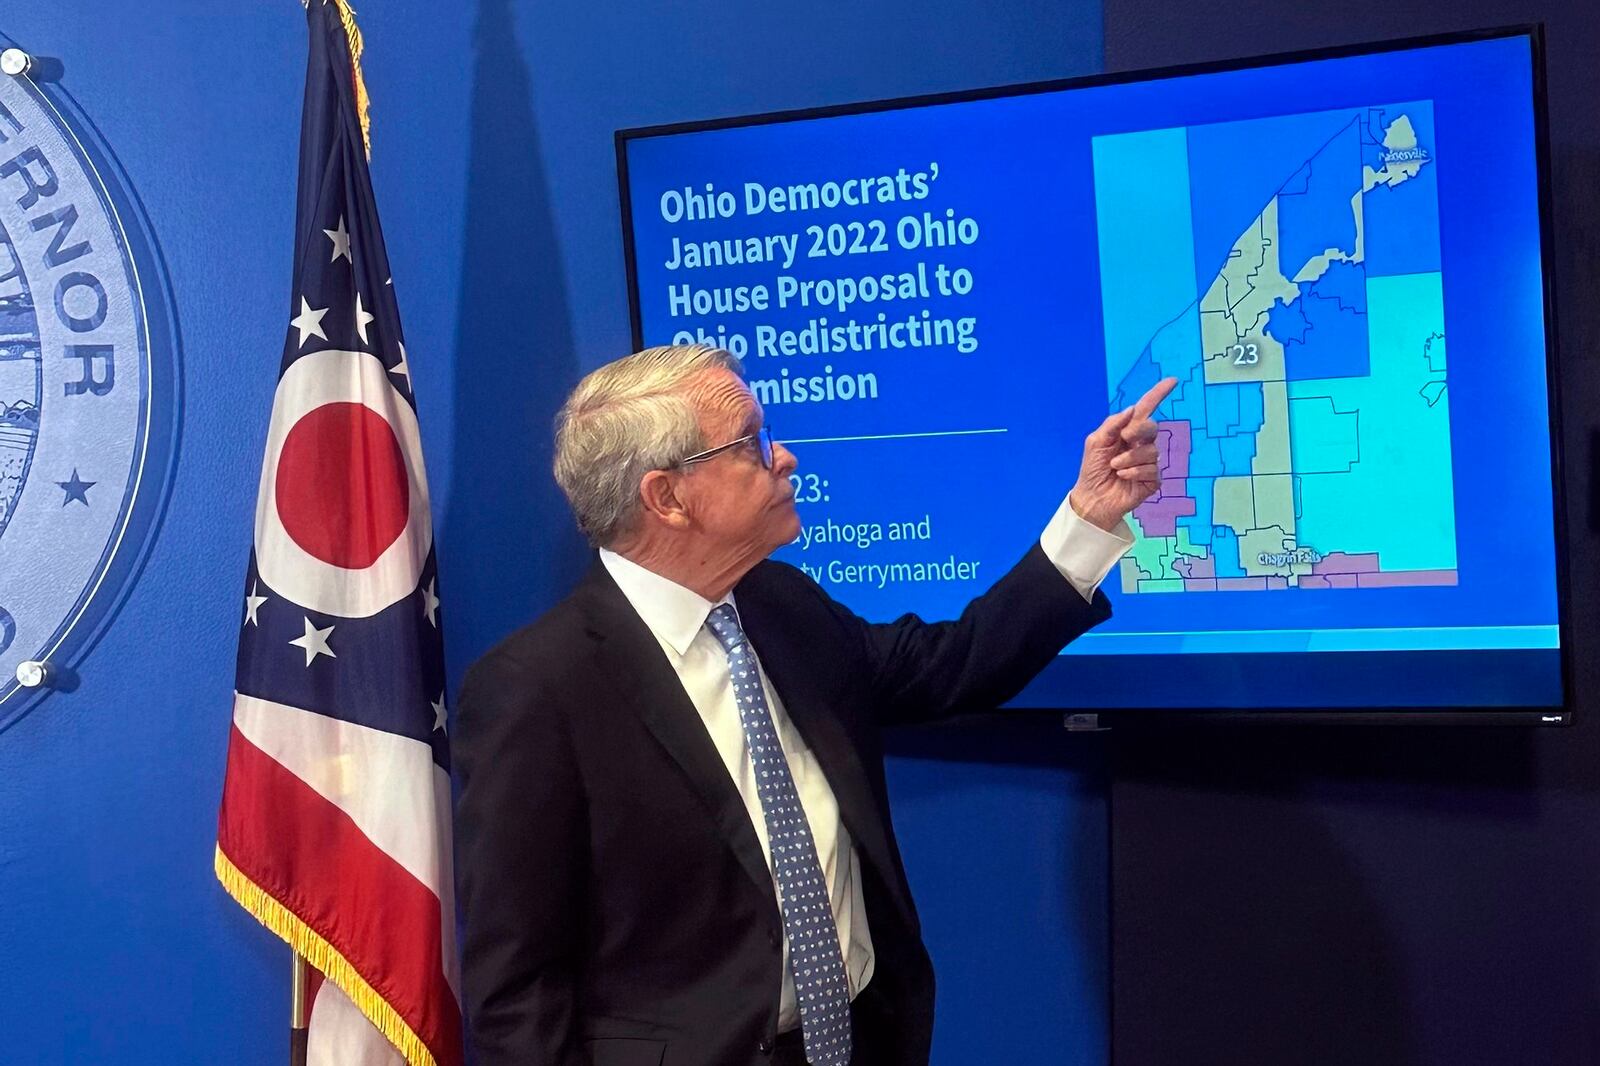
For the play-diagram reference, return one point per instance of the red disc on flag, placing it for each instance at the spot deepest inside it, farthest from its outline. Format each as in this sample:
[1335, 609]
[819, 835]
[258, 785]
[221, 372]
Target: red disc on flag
[342, 517]
[342, 486]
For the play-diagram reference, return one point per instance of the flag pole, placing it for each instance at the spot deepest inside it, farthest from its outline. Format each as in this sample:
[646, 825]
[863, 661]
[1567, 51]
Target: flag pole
[297, 965]
[298, 1010]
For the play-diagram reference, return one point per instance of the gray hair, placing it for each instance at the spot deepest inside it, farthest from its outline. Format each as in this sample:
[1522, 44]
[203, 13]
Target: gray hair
[629, 417]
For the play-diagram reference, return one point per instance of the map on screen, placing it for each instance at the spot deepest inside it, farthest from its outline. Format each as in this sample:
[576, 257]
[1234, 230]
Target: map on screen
[1312, 405]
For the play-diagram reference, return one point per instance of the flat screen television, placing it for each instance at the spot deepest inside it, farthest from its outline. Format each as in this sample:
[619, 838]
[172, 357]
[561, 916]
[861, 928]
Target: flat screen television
[1341, 256]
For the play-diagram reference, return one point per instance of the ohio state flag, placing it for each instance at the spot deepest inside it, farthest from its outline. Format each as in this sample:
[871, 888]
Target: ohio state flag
[335, 822]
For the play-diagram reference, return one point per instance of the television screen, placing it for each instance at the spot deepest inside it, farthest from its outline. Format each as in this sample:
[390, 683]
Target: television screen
[1339, 257]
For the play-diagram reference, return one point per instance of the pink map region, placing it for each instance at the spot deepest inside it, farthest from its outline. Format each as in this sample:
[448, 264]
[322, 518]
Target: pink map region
[1158, 516]
[1345, 563]
[1342, 570]
[1173, 442]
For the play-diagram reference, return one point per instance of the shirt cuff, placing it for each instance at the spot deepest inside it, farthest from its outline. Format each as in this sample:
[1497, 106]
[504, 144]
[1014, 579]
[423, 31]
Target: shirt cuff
[1081, 550]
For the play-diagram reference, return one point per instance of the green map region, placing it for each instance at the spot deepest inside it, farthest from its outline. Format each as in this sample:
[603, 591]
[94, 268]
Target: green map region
[1286, 271]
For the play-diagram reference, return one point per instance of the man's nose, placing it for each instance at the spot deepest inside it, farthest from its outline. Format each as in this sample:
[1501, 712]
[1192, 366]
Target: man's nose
[783, 460]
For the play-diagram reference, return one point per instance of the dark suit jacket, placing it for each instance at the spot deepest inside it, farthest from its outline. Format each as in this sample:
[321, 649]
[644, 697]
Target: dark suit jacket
[618, 907]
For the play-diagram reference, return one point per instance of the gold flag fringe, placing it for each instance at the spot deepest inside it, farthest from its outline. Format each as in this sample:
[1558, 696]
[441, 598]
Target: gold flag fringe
[347, 16]
[325, 957]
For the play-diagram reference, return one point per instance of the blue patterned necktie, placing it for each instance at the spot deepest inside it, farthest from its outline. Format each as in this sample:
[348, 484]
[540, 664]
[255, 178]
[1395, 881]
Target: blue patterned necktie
[821, 990]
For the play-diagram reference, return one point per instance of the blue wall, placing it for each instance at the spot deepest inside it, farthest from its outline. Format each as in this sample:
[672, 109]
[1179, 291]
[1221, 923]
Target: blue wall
[495, 176]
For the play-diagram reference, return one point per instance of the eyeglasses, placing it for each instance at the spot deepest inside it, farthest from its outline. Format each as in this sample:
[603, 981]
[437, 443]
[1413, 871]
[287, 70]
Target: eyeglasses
[762, 437]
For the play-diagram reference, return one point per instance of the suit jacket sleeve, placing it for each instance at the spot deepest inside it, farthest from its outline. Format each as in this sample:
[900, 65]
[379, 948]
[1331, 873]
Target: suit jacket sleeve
[521, 837]
[926, 670]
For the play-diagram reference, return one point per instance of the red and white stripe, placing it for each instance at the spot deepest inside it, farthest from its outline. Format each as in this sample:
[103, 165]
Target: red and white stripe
[367, 866]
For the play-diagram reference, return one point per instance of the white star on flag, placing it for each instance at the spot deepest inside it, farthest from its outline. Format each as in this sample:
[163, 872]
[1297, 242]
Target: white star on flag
[438, 712]
[315, 642]
[341, 242]
[308, 322]
[401, 368]
[252, 603]
[363, 318]
[430, 603]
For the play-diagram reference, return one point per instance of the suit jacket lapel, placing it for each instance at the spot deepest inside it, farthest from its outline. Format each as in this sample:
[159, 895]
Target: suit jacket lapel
[634, 664]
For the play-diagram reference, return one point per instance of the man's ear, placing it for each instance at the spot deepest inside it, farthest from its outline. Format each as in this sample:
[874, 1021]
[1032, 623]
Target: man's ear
[658, 494]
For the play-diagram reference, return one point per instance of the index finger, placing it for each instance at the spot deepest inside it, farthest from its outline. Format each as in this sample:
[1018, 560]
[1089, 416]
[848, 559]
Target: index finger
[1152, 399]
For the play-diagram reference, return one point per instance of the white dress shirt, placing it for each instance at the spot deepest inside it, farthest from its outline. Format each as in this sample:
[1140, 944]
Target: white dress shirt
[676, 616]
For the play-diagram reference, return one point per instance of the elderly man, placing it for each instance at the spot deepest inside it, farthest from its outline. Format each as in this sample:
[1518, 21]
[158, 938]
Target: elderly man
[673, 834]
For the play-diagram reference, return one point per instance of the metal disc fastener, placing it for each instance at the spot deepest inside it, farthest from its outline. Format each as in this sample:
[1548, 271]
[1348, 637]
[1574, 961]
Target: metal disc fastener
[31, 673]
[15, 62]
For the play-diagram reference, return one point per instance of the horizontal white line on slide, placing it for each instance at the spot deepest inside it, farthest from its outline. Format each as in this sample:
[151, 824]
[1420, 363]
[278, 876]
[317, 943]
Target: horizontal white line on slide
[893, 436]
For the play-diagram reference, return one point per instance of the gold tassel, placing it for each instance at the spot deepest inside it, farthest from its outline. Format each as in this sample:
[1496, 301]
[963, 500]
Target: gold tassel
[325, 957]
[347, 16]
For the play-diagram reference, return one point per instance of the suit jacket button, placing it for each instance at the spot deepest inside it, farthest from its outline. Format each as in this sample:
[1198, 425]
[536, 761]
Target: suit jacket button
[772, 937]
[766, 1047]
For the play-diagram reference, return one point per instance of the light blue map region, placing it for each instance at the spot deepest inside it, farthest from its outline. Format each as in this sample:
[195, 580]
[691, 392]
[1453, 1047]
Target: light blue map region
[1307, 444]
[1395, 497]
[1145, 183]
